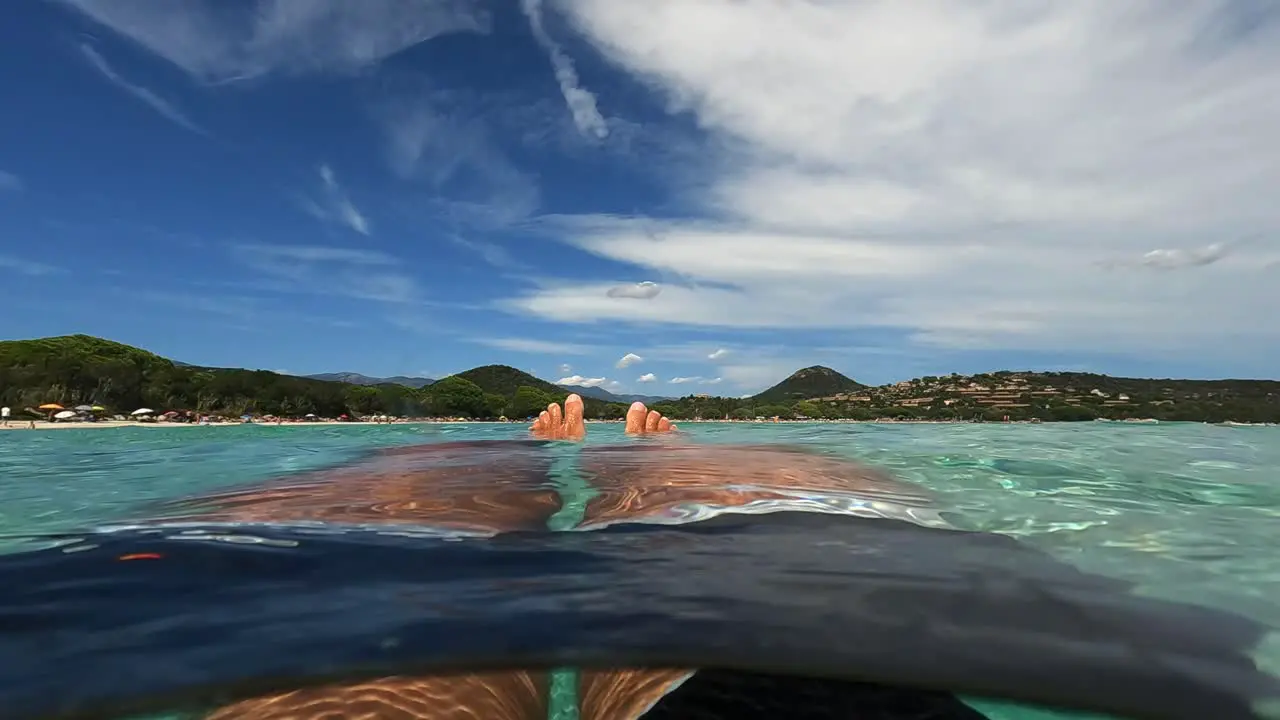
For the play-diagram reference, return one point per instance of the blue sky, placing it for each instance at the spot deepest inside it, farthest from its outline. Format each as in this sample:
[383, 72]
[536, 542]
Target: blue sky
[719, 192]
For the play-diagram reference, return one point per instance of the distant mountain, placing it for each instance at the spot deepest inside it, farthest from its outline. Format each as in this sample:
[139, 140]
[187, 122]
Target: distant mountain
[811, 382]
[358, 379]
[605, 395]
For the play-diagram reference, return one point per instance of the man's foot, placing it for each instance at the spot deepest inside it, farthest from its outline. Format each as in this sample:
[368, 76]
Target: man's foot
[643, 421]
[555, 424]
[567, 424]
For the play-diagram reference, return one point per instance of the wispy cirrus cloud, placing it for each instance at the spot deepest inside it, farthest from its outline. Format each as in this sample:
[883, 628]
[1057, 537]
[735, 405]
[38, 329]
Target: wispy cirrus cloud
[355, 273]
[335, 205]
[582, 104]
[9, 182]
[534, 346]
[161, 106]
[215, 41]
[27, 267]
[443, 141]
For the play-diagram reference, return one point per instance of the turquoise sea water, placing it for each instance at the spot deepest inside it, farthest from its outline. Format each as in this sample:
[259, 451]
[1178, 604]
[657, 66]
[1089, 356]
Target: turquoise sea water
[1187, 511]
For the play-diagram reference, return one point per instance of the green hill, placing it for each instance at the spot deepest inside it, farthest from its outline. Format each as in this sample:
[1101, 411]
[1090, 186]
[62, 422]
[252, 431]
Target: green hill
[527, 395]
[808, 383]
[79, 369]
[82, 370]
[504, 380]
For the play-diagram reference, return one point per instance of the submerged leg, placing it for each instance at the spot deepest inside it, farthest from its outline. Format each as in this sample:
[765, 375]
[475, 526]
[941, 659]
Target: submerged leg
[481, 696]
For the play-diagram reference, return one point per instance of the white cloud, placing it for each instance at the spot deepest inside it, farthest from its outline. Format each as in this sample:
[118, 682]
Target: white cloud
[27, 267]
[163, 107]
[580, 381]
[628, 360]
[337, 206]
[582, 104]
[639, 291]
[712, 381]
[10, 182]
[683, 380]
[535, 346]
[647, 378]
[215, 41]
[954, 170]
[717, 354]
[566, 368]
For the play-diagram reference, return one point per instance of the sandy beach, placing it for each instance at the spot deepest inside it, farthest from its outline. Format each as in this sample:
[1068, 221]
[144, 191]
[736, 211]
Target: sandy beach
[46, 425]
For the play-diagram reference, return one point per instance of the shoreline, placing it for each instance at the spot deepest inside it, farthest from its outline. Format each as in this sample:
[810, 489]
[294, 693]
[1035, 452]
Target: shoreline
[108, 424]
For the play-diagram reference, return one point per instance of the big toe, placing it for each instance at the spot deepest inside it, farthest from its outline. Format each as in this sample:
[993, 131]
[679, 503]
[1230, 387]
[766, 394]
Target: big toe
[575, 426]
[636, 416]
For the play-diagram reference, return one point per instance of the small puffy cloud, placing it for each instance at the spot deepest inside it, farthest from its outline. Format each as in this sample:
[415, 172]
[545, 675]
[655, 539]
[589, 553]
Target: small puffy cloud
[1172, 258]
[683, 380]
[712, 381]
[628, 360]
[639, 291]
[647, 378]
[719, 353]
[1166, 259]
[565, 368]
[579, 381]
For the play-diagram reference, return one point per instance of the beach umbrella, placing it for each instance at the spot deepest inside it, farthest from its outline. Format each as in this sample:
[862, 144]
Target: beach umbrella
[311, 415]
[84, 408]
[142, 411]
[65, 414]
[98, 408]
[51, 406]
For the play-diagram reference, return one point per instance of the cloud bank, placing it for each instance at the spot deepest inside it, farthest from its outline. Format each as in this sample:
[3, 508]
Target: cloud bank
[954, 171]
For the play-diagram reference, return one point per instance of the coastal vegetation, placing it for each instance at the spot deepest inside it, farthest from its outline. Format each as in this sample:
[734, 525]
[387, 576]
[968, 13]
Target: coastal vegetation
[82, 370]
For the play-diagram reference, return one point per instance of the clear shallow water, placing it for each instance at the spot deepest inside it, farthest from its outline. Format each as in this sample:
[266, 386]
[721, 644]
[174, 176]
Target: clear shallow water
[1185, 511]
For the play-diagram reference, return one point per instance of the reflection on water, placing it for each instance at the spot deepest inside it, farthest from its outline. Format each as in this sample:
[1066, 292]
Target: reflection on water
[504, 486]
[610, 590]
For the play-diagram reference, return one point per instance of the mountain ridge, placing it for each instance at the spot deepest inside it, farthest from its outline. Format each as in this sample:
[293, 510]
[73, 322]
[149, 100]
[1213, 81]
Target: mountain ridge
[82, 369]
[355, 378]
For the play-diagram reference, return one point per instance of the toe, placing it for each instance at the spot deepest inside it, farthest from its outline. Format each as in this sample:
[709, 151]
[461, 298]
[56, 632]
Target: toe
[574, 425]
[636, 417]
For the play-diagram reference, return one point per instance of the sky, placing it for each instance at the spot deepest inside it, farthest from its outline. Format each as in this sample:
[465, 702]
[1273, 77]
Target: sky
[661, 197]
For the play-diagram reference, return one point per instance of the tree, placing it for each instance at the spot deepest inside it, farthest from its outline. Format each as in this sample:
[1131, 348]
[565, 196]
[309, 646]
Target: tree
[528, 402]
[808, 409]
[458, 396]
